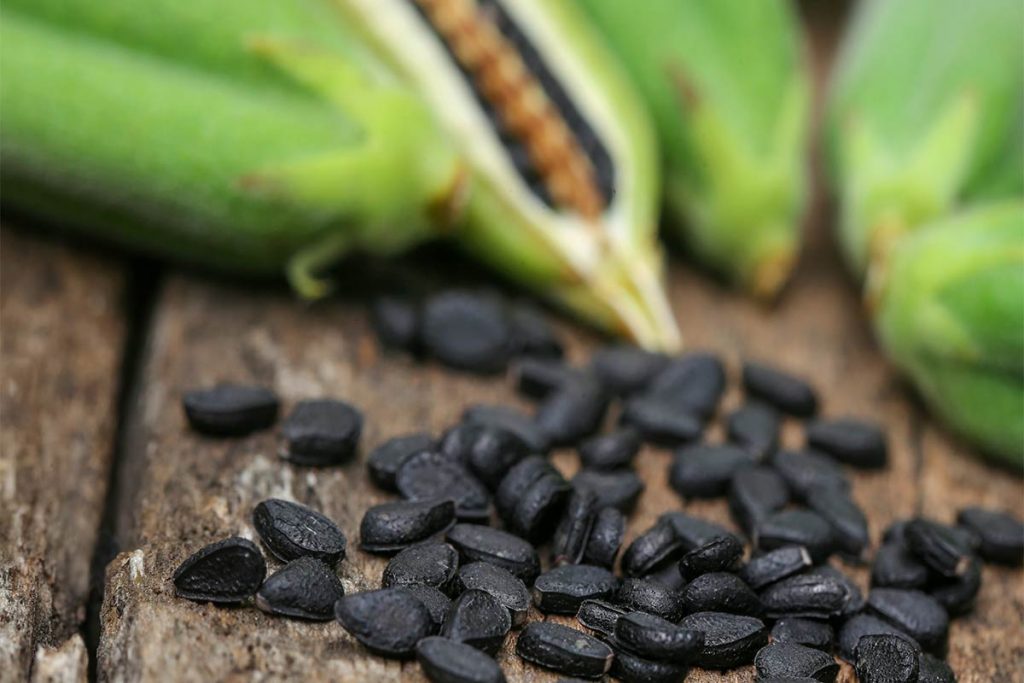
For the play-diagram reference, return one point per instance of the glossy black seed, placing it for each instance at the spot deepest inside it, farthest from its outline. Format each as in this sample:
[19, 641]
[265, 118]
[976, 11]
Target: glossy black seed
[538, 511]
[563, 649]
[860, 625]
[849, 525]
[389, 527]
[806, 595]
[754, 427]
[720, 554]
[600, 615]
[510, 420]
[789, 394]
[230, 409]
[468, 331]
[388, 622]
[656, 638]
[704, 471]
[507, 589]
[610, 451]
[934, 670]
[448, 661]
[537, 378]
[396, 320]
[896, 567]
[793, 659]
[429, 475]
[477, 543]
[755, 493]
[806, 632]
[631, 668]
[573, 530]
[851, 442]
[855, 599]
[775, 565]
[572, 412]
[429, 564]
[653, 548]
[617, 489]
[626, 369]
[1002, 536]
[647, 595]
[478, 619]
[692, 383]
[806, 471]
[436, 602]
[720, 592]
[958, 595]
[493, 453]
[693, 531]
[913, 612]
[321, 433]
[561, 590]
[660, 423]
[304, 588]
[225, 572]
[532, 335]
[605, 538]
[730, 640]
[796, 527]
[518, 480]
[290, 530]
[386, 459]
[938, 546]
[886, 659]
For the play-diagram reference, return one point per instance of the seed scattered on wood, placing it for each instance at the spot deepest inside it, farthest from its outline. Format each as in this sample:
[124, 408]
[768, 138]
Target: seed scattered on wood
[864, 624]
[507, 589]
[915, 613]
[600, 615]
[617, 489]
[704, 471]
[1002, 536]
[429, 564]
[390, 527]
[436, 602]
[538, 378]
[754, 427]
[806, 595]
[692, 383]
[896, 567]
[572, 412]
[848, 522]
[958, 595]
[510, 420]
[721, 592]
[886, 659]
[807, 471]
[230, 409]
[775, 565]
[227, 571]
[387, 622]
[655, 547]
[730, 640]
[806, 632]
[476, 618]
[938, 546]
[564, 650]
[755, 493]
[934, 670]
[492, 453]
[610, 451]
[304, 589]
[396, 321]
[851, 442]
[605, 538]
[660, 423]
[693, 531]
[477, 543]
[290, 530]
[537, 512]
[793, 659]
[448, 661]
[626, 369]
[796, 527]
[322, 433]
[386, 459]
[561, 590]
[782, 390]
[574, 529]
[631, 668]
[646, 595]
[467, 330]
[532, 335]
[428, 475]
[656, 638]
[720, 554]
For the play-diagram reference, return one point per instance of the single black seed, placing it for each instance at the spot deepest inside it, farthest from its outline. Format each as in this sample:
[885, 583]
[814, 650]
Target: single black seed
[782, 390]
[396, 320]
[230, 409]
[564, 650]
[573, 530]
[754, 427]
[507, 589]
[605, 538]
[915, 613]
[958, 595]
[517, 482]
[493, 453]
[814, 595]
[322, 433]
[655, 547]
[654, 637]
[468, 331]
[477, 543]
[389, 527]
[457, 442]
[793, 659]
[646, 595]
[806, 632]
[537, 512]
[429, 564]
[855, 599]
[851, 442]
[448, 661]
[600, 616]
[436, 602]
[1002, 535]
[572, 412]
[775, 565]
[692, 383]
[290, 530]
[896, 567]
[429, 475]
[755, 493]
[807, 471]
[610, 451]
[660, 423]
[386, 459]
[886, 659]
[227, 571]
[796, 527]
[631, 668]
[730, 640]
[863, 624]
[704, 471]
[721, 592]
[848, 522]
[478, 619]
[720, 554]
[626, 369]
[561, 590]
[532, 335]
[693, 531]
[538, 378]
[510, 420]
[617, 489]
[934, 670]
[388, 622]
[938, 546]
[304, 588]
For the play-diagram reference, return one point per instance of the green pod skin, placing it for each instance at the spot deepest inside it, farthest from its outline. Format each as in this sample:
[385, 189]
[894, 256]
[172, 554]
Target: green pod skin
[728, 88]
[925, 113]
[949, 309]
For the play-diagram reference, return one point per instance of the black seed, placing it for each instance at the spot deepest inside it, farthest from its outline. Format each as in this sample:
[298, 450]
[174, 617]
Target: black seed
[796, 527]
[574, 530]
[428, 475]
[230, 409]
[322, 433]
[660, 423]
[810, 594]
[806, 632]
[704, 471]
[1002, 536]
[531, 333]
[478, 619]
[896, 567]
[652, 549]
[493, 453]
[860, 625]
[226, 571]
[387, 622]
[656, 638]
[610, 451]
[754, 427]
[730, 640]
[886, 659]
[617, 489]
[632, 668]
[720, 554]
[806, 471]
[721, 592]
[849, 525]
[563, 649]
[934, 670]
[396, 320]
[647, 595]
[389, 527]
[693, 531]
[430, 564]
[537, 378]
[562, 589]
[477, 543]
[784, 391]
[938, 546]
[386, 459]
[572, 412]
[304, 588]
[755, 493]
[506, 588]
[913, 612]
[626, 369]
[851, 442]
[536, 513]
[457, 442]
[436, 602]
[600, 615]
[467, 330]
[692, 384]
[290, 531]
[958, 595]
[775, 565]
[447, 661]
[605, 538]
[855, 599]
[793, 659]
[517, 482]
[510, 420]
[668, 576]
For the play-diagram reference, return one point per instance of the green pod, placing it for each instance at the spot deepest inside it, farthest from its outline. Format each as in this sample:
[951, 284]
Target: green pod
[727, 85]
[263, 137]
[949, 309]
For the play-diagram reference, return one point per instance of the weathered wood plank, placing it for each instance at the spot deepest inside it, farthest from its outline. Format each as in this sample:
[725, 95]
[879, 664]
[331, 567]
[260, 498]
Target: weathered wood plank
[61, 340]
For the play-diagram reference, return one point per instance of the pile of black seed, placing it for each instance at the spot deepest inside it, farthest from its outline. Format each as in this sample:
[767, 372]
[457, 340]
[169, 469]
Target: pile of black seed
[687, 592]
